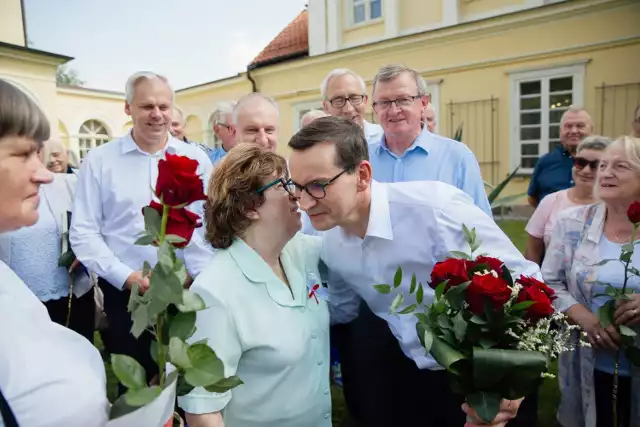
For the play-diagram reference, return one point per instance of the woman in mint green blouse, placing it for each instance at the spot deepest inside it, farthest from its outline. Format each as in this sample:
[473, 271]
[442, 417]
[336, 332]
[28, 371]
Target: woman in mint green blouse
[264, 319]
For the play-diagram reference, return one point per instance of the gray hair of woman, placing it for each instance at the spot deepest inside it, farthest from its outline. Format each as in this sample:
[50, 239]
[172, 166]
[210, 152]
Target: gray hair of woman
[594, 142]
[631, 148]
[20, 116]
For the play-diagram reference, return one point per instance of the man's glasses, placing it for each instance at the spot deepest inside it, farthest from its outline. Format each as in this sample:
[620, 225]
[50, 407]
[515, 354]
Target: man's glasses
[224, 125]
[340, 101]
[287, 185]
[402, 102]
[581, 163]
[317, 190]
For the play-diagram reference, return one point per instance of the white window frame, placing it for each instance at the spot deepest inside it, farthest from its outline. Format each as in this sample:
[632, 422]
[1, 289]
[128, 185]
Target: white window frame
[301, 108]
[351, 5]
[578, 74]
[93, 139]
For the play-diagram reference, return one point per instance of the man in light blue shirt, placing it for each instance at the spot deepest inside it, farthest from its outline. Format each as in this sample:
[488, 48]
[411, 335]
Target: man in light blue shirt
[370, 229]
[222, 119]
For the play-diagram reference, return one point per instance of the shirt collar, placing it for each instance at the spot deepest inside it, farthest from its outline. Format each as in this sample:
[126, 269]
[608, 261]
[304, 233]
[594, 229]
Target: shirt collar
[563, 151]
[129, 145]
[596, 222]
[379, 216]
[422, 142]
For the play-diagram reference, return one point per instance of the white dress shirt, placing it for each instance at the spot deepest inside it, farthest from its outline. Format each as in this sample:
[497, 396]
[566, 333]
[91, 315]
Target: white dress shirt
[412, 225]
[116, 181]
[50, 375]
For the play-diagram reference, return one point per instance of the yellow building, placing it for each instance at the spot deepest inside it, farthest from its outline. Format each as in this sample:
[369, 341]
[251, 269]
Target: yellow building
[504, 69]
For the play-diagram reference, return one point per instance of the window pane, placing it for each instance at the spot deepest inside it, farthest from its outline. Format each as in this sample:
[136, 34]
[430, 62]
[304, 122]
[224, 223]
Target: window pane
[530, 88]
[530, 118]
[560, 84]
[530, 149]
[554, 132]
[558, 101]
[530, 133]
[528, 162]
[376, 9]
[358, 13]
[530, 103]
[556, 114]
[553, 144]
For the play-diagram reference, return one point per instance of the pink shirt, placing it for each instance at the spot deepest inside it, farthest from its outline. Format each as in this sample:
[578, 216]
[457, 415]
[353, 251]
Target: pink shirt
[544, 218]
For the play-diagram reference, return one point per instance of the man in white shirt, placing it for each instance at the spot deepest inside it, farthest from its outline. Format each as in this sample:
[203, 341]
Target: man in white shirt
[370, 229]
[114, 184]
[344, 94]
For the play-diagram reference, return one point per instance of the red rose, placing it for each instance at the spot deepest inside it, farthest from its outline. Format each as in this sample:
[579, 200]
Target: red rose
[487, 288]
[541, 294]
[452, 269]
[528, 281]
[633, 213]
[178, 183]
[181, 223]
[494, 263]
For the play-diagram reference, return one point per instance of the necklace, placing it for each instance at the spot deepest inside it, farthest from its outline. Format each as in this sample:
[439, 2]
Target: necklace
[619, 240]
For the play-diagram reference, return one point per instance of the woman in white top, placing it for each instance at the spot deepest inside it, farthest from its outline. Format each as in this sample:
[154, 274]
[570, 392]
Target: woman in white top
[543, 220]
[49, 375]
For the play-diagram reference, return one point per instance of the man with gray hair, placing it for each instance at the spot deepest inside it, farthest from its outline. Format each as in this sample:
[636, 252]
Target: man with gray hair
[310, 116]
[256, 119]
[222, 119]
[553, 170]
[177, 130]
[344, 94]
[115, 182]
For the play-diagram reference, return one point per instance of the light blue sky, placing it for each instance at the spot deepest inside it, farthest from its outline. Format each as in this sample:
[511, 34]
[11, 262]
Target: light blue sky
[189, 41]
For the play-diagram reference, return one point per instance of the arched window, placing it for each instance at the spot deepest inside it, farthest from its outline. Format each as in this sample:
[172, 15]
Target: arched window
[92, 134]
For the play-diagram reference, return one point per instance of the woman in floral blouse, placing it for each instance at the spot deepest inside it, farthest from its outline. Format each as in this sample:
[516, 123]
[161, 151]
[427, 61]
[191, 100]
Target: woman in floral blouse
[582, 237]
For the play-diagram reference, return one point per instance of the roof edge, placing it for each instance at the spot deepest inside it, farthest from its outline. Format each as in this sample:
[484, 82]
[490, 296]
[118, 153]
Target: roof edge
[30, 50]
[279, 59]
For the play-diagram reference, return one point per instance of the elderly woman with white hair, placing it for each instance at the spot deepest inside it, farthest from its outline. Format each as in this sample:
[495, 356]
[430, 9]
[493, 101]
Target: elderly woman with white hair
[582, 237]
[57, 158]
[49, 375]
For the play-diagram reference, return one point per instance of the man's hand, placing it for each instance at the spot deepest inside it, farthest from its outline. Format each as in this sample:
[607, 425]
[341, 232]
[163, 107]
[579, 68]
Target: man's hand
[508, 411]
[137, 277]
[532, 201]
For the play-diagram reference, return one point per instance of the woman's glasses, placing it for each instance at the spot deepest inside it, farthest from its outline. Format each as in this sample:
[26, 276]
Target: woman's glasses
[286, 184]
[581, 163]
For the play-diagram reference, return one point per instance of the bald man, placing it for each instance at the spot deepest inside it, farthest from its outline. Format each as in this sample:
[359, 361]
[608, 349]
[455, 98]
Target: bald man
[429, 117]
[56, 157]
[310, 116]
[256, 119]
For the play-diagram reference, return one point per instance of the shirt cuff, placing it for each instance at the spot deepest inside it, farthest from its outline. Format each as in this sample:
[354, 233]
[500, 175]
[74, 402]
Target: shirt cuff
[118, 275]
[200, 401]
[564, 303]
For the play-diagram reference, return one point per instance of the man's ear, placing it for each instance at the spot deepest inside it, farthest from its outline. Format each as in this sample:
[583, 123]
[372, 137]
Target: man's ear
[364, 172]
[127, 108]
[233, 131]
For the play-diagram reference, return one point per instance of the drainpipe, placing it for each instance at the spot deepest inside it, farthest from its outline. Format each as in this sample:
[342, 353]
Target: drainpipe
[254, 87]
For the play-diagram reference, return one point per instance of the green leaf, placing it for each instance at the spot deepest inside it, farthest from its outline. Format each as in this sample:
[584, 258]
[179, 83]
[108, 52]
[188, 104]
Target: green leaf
[459, 326]
[145, 240]
[166, 257]
[601, 263]
[383, 289]
[446, 355]
[605, 315]
[461, 255]
[522, 306]
[627, 331]
[420, 294]
[128, 371]
[183, 387]
[477, 320]
[153, 349]
[191, 301]
[146, 269]
[444, 321]
[178, 353]
[183, 325]
[493, 196]
[408, 309]
[467, 234]
[397, 278]
[425, 335]
[152, 221]
[206, 368]
[412, 287]
[397, 302]
[224, 384]
[486, 405]
[456, 296]
[66, 259]
[142, 396]
[134, 298]
[486, 342]
[165, 285]
[440, 289]
[173, 239]
[141, 320]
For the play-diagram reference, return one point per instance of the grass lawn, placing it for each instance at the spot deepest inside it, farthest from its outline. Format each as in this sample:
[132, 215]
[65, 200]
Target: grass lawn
[549, 394]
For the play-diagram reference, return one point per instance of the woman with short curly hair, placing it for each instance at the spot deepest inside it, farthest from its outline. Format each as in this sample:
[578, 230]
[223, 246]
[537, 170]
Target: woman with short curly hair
[265, 320]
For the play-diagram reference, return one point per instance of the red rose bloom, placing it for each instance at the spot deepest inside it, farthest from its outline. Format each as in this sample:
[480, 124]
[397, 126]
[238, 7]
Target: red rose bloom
[493, 290]
[541, 294]
[528, 281]
[633, 213]
[178, 183]
[494, 263]
[181, 223]
[452, 269]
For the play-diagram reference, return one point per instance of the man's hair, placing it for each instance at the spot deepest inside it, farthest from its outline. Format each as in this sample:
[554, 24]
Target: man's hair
[393, 71]
[132, 82]
[248, 98]
[573, 109]
[339, 72]
[223, 109]
[313, 114]
[20, 116]
[347, 136]
[178, 110]
[232, 191]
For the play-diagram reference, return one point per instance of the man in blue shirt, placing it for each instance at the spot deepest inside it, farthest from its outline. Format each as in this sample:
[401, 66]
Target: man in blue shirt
[553, 170]
[222, 120]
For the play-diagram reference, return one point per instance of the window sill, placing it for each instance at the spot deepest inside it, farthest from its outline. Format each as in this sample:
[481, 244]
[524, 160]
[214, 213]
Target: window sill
[364, 24]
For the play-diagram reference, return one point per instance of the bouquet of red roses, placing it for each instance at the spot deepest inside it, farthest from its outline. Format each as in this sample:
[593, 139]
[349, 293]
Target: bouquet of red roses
[492, 333]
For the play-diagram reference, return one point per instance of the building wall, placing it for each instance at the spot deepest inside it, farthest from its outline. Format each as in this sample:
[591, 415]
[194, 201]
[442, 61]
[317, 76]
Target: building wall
[415, 14]
[474, 8]
[11, 28]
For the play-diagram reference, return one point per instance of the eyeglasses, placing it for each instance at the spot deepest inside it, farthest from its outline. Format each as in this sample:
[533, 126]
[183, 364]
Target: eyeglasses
[317, 190]
[402, 102]
[581, 163]
[287, 185]
[224, 125]
[340, 101]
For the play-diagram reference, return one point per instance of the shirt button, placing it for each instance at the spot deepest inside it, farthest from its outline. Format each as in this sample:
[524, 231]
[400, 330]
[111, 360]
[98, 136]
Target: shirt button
[326, 416]
[319, 362]
[326, 392]
[314, 336]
